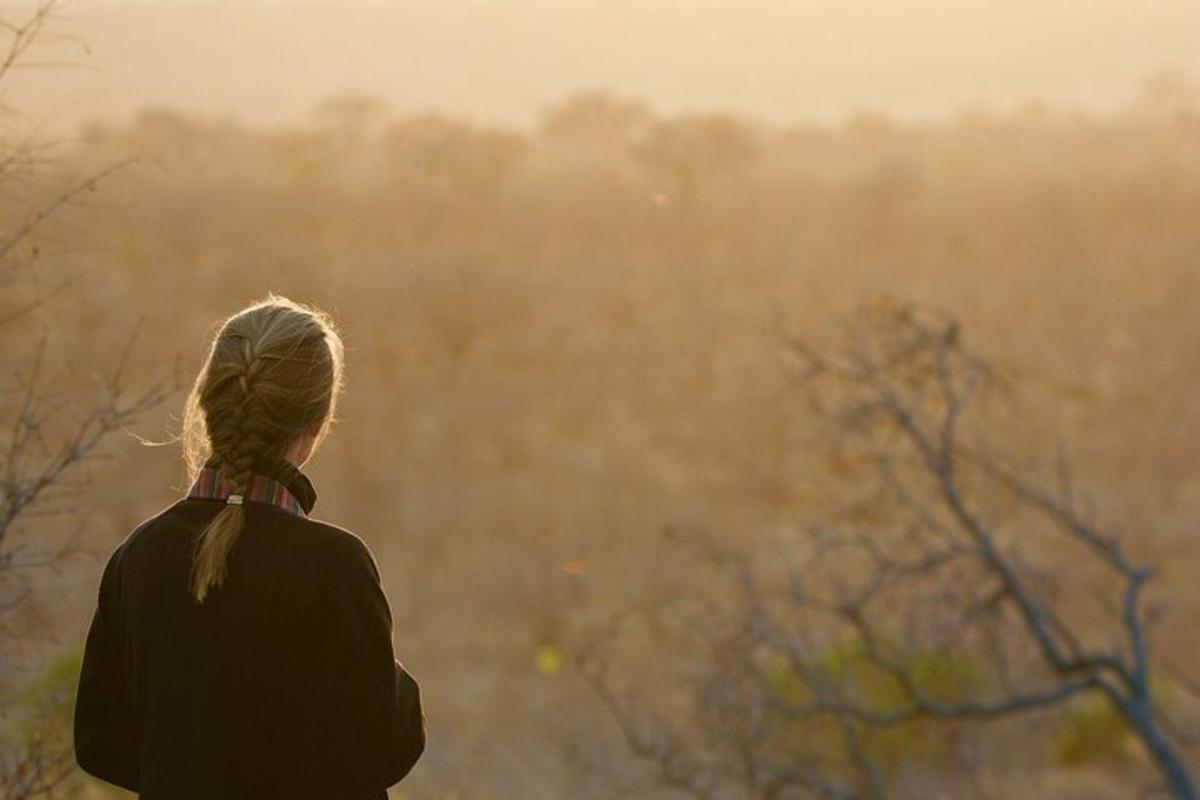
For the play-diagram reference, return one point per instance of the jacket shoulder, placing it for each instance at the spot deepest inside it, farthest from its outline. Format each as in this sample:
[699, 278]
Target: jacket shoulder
[141, 531]
[337, 543]
[333, 537]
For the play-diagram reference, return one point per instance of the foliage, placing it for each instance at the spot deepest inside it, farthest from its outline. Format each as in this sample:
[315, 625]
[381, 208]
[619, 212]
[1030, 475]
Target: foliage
[948, 677]
[562, 338]
[37, 757]
[1093, 731]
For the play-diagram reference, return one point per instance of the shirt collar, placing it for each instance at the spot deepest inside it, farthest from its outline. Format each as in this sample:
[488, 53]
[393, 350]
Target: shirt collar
[275, 482]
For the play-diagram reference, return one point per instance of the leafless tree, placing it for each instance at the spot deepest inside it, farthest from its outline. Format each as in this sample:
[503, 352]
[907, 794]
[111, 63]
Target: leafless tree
[930, 591]
[46, 435]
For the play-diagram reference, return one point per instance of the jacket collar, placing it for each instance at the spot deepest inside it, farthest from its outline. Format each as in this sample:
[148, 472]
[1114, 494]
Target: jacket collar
[276, 482]
[285, 472]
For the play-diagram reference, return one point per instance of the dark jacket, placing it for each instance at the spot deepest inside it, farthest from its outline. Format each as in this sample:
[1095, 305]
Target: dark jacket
[282, 684]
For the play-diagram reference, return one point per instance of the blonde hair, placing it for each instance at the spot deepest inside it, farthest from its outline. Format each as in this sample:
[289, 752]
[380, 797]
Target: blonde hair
[272, 376]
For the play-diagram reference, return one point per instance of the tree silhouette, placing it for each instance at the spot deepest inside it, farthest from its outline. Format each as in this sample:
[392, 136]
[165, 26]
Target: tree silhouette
[921, 597]
[45, 437]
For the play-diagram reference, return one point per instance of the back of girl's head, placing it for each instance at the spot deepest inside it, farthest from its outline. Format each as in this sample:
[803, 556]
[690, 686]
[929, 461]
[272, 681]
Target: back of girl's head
[271, 379]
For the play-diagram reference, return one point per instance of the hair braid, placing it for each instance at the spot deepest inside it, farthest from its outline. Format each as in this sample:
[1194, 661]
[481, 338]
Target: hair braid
[241, 454]
[272, 377]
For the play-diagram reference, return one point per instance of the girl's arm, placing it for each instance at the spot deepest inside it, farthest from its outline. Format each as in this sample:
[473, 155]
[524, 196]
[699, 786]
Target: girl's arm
[375, 703]
[105, 736]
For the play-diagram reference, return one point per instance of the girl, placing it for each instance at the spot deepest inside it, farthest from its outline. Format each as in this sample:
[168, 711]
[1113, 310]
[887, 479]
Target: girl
[239, 648]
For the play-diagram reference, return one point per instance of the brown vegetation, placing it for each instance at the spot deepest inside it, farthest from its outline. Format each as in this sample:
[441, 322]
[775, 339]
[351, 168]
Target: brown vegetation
[559, 342]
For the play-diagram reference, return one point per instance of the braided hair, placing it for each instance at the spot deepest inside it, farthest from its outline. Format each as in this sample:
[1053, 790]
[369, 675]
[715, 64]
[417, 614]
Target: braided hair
[271, 378]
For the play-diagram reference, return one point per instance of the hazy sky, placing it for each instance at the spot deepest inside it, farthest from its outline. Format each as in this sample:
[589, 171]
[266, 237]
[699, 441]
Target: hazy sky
[778, 60]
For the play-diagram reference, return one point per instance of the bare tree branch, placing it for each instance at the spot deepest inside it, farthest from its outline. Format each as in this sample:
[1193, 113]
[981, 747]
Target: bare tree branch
[926, 571]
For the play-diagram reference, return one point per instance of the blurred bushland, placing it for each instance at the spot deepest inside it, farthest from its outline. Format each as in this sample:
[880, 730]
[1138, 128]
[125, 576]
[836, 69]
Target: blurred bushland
[562, 340]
